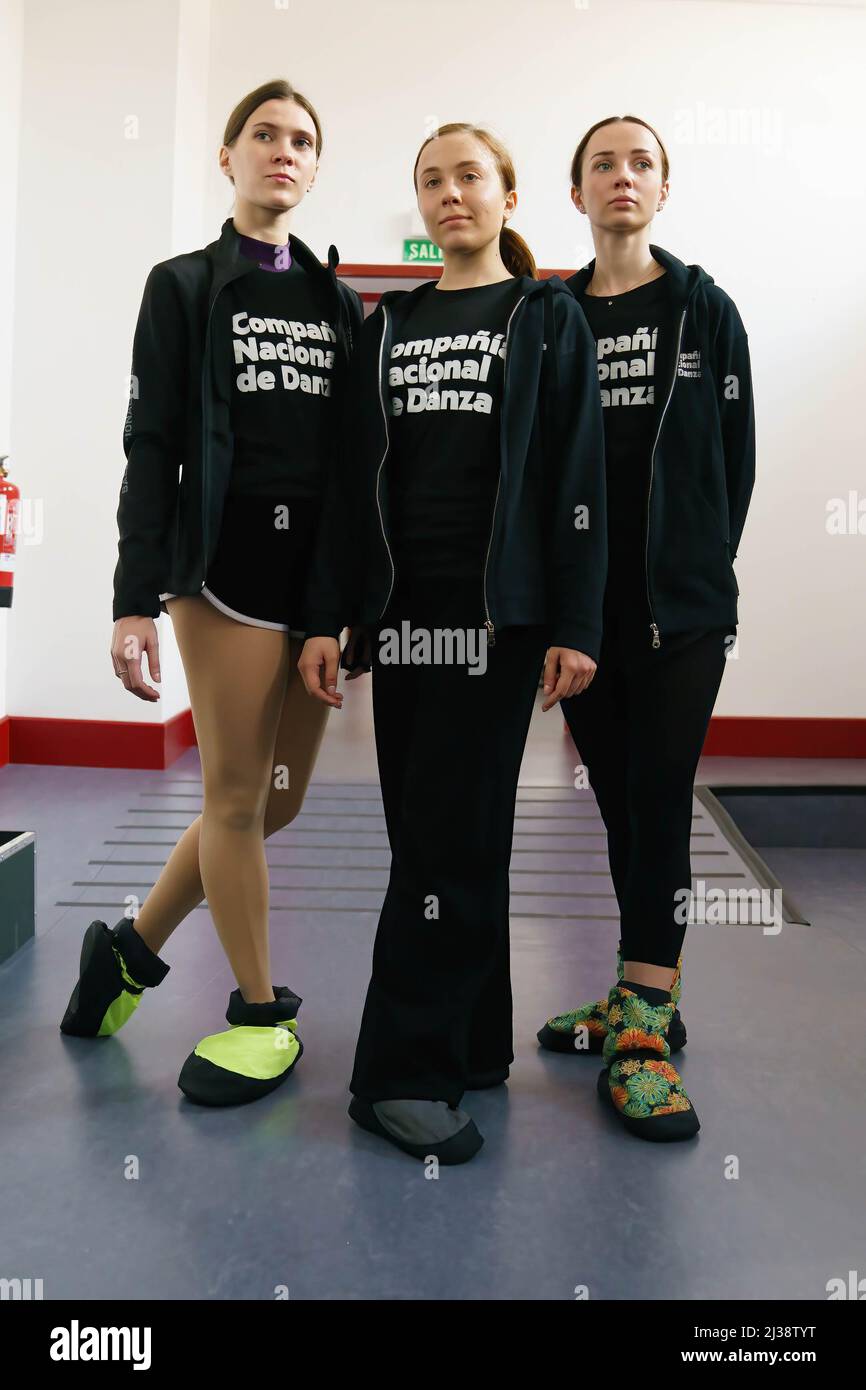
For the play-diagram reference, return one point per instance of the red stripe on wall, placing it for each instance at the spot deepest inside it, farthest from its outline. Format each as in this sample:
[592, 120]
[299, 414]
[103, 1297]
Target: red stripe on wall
[93, 743]
[99, 743]
[414, 270]
[766, 737]
[410, 271]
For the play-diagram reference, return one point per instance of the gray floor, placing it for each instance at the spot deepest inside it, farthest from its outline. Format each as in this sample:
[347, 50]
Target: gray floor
[233, 1204]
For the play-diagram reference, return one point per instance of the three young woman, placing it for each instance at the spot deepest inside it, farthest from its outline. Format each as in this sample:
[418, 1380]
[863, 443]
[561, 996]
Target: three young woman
[673, 365]
[486, 482]
[232, 439]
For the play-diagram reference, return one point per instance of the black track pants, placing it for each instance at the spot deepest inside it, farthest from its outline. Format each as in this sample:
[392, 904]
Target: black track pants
[449, 746]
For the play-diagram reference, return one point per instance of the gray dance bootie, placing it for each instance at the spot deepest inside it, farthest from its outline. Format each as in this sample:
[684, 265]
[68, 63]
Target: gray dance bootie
[421, 1128]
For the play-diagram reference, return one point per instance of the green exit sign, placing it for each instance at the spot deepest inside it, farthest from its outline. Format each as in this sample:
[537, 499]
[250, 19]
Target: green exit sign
[422, 249]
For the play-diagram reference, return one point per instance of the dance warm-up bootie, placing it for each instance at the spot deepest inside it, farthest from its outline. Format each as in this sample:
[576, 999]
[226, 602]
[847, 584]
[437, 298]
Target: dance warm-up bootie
[639, 1082]
[250, 1058]
[421, 1128]
[565, 1032]
[115, 969]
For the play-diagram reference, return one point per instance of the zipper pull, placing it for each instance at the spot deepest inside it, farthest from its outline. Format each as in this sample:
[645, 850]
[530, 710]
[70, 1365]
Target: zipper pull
[491, 630]
[655, 632]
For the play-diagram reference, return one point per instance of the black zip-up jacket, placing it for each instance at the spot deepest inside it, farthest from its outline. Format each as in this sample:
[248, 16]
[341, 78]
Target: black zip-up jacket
[543, 564]
[177, 436]
[702, 467]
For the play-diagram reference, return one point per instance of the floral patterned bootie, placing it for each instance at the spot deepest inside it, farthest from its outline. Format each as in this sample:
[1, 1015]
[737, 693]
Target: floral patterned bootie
[564, 1033]
[639, 1082]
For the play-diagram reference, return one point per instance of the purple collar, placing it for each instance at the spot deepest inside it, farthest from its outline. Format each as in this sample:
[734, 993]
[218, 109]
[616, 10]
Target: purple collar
[265, 254]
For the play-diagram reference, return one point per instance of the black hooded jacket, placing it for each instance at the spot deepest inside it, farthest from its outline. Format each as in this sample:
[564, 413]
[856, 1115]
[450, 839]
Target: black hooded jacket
[546, 558]
[702, 468]
[177, 436]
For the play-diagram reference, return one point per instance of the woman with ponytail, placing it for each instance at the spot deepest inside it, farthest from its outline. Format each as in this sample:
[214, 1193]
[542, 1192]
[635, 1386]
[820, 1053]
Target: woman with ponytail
[673, 366]
[481, 432]
[233, 441]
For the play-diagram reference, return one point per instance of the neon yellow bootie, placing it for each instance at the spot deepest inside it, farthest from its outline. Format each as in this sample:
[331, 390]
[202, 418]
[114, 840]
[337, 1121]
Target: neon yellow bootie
[250, 1058]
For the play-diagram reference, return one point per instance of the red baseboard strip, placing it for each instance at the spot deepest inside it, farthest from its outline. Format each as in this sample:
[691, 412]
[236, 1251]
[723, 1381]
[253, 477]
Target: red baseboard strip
[93, 743]
[179, 735]
[98, 743]
[413, 270]
[767, 737]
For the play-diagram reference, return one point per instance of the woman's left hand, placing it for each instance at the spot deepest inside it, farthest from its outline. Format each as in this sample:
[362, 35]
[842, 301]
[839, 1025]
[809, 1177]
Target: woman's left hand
[566, 673]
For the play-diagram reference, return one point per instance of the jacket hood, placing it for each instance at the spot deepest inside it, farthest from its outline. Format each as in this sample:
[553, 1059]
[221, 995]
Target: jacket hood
[685, 279]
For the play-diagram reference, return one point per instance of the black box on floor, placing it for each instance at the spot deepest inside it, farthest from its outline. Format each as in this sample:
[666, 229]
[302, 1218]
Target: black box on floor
[17, 890]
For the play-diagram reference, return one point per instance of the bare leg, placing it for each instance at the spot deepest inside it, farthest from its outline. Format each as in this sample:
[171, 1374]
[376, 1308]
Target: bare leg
[178, 888]
[236, 676]
[299, 735]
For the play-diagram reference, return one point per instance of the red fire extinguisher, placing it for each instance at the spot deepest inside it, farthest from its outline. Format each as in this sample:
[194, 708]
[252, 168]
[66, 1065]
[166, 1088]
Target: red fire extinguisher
[10, 498]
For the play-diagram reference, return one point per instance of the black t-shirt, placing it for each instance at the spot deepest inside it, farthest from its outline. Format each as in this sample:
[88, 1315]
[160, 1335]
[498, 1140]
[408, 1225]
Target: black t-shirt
[633, 334]
[445, 377]
[282, 350]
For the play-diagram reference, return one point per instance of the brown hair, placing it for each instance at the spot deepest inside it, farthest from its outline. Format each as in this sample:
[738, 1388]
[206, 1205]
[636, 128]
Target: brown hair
[516, 255]
[577, 161]
[279, 88]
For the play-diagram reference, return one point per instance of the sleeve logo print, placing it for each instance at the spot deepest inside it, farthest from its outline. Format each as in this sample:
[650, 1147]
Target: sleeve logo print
[690, 364]
[296, 345]
[444, 359]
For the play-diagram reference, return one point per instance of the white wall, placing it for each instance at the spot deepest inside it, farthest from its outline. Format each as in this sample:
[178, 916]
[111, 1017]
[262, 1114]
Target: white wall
[760, 108]
[11, 21]
[112, 148]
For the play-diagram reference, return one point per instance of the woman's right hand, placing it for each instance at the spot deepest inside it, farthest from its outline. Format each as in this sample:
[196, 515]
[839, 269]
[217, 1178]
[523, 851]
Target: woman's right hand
[130, 639]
